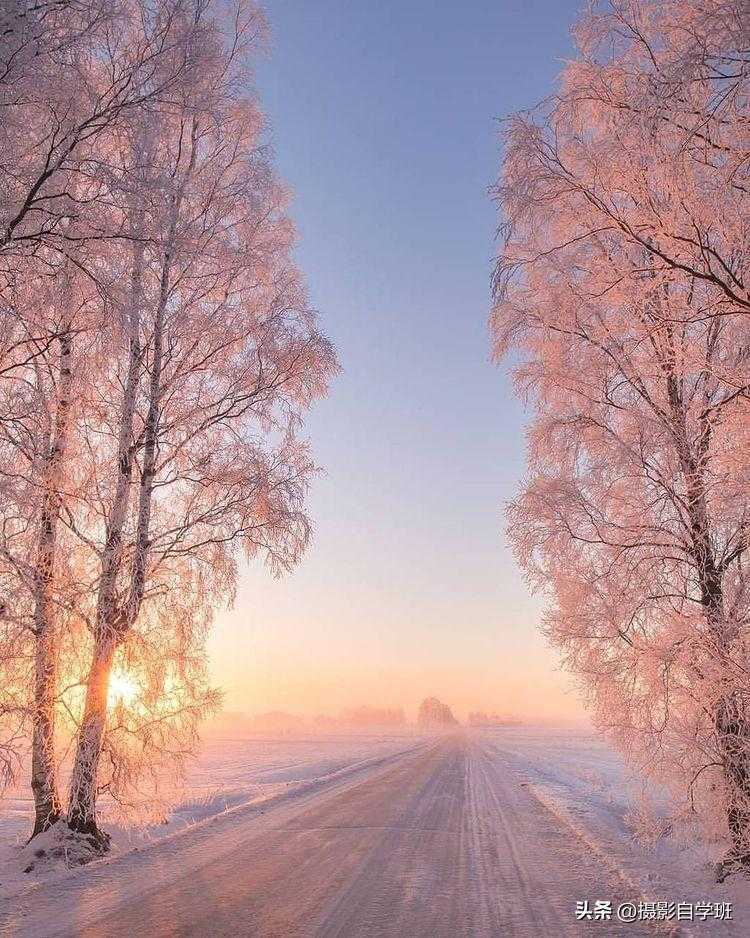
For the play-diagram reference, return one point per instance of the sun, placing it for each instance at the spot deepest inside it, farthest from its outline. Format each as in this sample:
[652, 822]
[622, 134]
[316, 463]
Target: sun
[122, 689]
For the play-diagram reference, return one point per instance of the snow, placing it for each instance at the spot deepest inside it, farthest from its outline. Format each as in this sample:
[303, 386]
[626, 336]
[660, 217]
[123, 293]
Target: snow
[54, 848]
[229, 771]
[580, 780]
[497, 830]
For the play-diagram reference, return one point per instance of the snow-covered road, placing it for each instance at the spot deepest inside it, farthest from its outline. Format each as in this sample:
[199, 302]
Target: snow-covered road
[446, 839]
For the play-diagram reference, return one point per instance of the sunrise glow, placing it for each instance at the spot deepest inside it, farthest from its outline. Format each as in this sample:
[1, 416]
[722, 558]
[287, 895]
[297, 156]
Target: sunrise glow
[374, 478]
[122, 689]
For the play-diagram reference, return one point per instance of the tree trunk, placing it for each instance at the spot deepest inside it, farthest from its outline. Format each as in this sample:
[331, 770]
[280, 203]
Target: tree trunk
[47, 803]
[731, 724]
[82, 803]
[114, 623]
[732, 732]
[729, 717]
[115, 620]
[83, 783]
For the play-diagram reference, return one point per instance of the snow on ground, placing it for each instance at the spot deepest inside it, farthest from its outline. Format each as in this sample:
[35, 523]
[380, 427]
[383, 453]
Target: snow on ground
[229, 771]
[584, 783]
[442, 841]
[518, 793]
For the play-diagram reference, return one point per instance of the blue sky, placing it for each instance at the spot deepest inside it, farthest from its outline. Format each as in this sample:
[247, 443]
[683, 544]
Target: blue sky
[384, 120]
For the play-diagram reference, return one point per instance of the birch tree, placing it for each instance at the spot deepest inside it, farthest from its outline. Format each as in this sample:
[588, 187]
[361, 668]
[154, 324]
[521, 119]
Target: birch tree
[71, 77]
[36, 477]
[200, 458]
[621, 283]
[157, 357]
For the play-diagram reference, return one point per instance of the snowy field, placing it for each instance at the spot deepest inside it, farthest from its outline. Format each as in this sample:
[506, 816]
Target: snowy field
[228, 772]
[485, 832]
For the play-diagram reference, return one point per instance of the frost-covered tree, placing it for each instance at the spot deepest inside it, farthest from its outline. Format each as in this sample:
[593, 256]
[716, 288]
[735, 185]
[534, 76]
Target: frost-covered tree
[74, 77]
[70, 74]
[433, 712]
[622, 287]
[203, 383]
[39, 407]
[158, 359]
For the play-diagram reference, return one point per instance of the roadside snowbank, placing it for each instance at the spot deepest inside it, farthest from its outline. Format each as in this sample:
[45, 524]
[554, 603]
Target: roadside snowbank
[228, 773]
[584, 783]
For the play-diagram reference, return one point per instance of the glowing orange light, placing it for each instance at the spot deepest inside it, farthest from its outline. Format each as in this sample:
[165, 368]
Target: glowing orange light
[122, 689]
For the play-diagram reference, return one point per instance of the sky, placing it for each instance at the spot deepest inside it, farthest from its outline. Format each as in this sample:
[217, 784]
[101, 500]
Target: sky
[384, 121]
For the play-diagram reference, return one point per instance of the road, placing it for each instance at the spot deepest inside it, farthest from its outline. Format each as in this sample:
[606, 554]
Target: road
[436, 842]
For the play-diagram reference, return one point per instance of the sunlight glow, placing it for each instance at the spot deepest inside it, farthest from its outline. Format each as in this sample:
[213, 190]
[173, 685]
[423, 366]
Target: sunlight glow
[122, 689]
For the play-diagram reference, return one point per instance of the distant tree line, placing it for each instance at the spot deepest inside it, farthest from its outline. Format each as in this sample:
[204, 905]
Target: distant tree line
[433, 713]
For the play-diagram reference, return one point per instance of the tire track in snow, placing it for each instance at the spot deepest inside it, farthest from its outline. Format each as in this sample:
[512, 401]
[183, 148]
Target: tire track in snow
[551, 864]
[442, 842]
